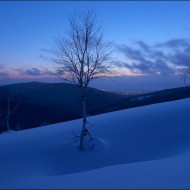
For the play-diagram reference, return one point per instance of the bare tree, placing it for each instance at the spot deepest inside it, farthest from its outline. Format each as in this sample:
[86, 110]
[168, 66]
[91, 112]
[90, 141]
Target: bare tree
[186, 80]
[12, 104]
[9, 104]
[82, 56]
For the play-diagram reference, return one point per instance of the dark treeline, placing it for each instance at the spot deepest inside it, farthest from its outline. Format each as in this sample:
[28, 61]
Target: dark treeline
[29, 105]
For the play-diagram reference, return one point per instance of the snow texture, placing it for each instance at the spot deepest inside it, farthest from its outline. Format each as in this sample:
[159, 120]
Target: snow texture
[144, 147]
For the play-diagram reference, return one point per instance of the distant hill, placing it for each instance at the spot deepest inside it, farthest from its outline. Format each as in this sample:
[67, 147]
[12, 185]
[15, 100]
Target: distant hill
[47, 103]
[153, 97]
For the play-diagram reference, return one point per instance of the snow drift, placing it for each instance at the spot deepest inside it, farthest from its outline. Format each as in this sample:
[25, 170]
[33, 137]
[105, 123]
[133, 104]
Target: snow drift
[144, 147]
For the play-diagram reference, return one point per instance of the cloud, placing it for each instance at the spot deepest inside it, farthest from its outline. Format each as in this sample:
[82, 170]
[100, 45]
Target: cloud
[150, 67]
[181, 59]
[49, 72]
[45, 58]
[3, 72]
[47, 50]
[148, 62]
[1, 66]
[175, 43]
[35, 72]
[162, 58]
[143, 45]
[4, 75]
[130, 52]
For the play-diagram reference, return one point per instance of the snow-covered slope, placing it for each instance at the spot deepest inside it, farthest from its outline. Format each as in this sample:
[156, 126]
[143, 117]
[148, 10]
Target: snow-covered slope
[145, 147]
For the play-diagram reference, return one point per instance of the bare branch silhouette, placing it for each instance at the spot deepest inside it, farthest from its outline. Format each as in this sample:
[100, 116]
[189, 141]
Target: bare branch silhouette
[82, 56]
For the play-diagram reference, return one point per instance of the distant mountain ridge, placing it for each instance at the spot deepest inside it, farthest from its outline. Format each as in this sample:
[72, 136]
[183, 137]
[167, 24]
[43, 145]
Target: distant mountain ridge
[47, 103]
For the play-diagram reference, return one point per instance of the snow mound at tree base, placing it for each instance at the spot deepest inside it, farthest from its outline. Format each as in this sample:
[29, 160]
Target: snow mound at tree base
[90, 144]
[95, 144]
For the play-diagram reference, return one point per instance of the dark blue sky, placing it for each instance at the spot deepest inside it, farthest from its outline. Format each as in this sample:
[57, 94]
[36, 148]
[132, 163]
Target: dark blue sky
[151, 37]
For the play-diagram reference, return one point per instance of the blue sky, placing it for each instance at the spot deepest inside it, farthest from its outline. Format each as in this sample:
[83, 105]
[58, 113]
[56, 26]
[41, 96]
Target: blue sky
[30, 26]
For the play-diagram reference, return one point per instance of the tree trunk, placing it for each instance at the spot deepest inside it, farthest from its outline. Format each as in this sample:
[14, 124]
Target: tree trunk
[84, 120]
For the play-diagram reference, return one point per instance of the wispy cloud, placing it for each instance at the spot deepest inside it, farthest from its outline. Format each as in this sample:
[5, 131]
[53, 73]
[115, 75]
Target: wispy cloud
[168, 57]
[35, 72]
[1, 66]
[46, 54]
[3, 72]
[175, 43]
[4, 75]
[32, 71]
